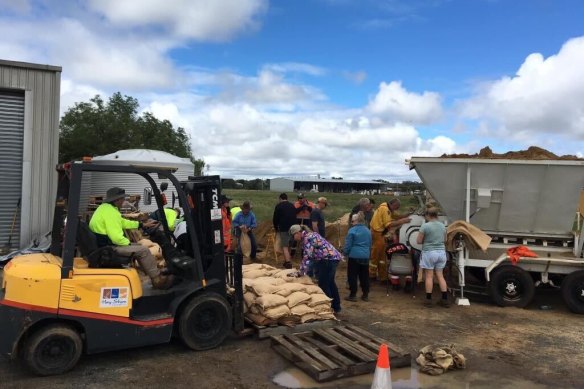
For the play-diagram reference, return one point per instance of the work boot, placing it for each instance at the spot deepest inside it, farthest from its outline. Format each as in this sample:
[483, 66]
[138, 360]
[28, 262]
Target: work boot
[287, 265]
[428, 304]
[351, 298]
[444, 303]
[365, 297]
[162, 282]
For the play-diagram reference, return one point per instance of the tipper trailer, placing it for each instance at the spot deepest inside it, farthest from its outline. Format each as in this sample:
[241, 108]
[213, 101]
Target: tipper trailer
[530, 203]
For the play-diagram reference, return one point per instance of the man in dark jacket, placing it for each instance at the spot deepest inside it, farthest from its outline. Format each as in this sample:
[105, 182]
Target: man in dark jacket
[284, 217]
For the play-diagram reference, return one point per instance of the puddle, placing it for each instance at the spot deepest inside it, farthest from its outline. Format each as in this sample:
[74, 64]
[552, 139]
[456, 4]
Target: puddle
[406, 378]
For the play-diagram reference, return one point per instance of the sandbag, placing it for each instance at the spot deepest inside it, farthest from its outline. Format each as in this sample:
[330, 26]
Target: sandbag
[287, 288]
[249, 298]
[270, 280]
[277, 312]
[305, 280]
[323, 308]
[245, 244]
[317, 299]
[260, 288]
[260, 319]
[289, 321]
[283, 274]
[146, 243]
[301, 309]
[256, 266]
[308, 317]
[253, 274]
[268, 301]
[155, 250]
[326, 316]
[312, 289]
[297, 298]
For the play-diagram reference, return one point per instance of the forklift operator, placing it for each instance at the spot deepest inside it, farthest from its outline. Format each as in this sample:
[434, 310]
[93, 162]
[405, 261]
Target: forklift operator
[108, 224]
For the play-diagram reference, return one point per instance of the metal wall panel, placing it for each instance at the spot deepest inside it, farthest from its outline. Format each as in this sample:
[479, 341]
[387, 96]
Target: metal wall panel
[41, 85]
[11, 139]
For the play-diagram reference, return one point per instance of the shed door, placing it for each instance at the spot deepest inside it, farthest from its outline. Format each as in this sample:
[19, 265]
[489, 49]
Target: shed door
[11, 144]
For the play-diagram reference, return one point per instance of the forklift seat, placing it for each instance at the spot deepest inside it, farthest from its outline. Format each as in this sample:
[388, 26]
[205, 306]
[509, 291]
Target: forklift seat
[97, 257]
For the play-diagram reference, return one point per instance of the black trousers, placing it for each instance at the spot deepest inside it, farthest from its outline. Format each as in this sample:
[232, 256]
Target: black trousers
[357, 271]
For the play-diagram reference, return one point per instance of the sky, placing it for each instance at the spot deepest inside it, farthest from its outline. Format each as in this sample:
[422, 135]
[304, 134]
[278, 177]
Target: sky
[336, 88]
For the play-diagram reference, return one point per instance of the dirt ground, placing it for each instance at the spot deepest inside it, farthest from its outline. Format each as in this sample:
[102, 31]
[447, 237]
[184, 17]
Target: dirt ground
[504, 347]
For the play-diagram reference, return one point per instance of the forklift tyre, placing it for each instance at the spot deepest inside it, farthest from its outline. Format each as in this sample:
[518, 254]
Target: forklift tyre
[52, 350]
[205, 321]
[573, 291]
[511, 286]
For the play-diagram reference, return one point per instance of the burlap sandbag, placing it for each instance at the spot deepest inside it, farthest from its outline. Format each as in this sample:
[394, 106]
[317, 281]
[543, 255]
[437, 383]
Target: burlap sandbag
[312, 289]
[155, 251]
[249, 298]
[245, 244]
[146, 243]
[256, 266]
[297, 298]
[289, 321]
[301, 309]
[253, 274]
[260, 288]
[277, 312]
[260, 319]
[308, 317]
[287, 288]
[317, 299]
[323, 308]
[326, 316]
[268, 301]
[305, 280]
[270, 280]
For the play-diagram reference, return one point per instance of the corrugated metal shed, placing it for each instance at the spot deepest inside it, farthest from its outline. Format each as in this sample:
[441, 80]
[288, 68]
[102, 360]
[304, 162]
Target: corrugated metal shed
[132, 183]
[29, 126]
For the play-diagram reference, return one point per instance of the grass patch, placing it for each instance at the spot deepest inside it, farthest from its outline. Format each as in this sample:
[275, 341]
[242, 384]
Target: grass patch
[264, 201]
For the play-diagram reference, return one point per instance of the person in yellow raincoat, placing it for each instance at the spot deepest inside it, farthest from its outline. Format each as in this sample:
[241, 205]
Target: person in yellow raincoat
[384, 219]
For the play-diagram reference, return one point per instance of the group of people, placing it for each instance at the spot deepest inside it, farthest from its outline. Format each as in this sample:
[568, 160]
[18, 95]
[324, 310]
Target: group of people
[365, 245]
[298, 224]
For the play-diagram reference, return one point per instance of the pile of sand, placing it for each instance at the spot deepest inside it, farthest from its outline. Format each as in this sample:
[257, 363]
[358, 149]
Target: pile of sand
[532, 153]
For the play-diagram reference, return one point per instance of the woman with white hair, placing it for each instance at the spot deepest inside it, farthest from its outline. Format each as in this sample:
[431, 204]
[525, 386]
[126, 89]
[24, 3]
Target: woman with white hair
[317, 250]
[357, 248]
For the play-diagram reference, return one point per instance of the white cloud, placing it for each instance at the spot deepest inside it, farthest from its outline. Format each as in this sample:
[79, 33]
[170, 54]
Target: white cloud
[544, 97]
[72, 93]
[393, 103]
[356, 77]
[296, 67]
[202, 20]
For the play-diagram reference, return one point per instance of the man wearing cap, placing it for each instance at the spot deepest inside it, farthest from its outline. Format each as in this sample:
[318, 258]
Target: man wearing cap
[108, 225]
[317, 218]
[303, 209]
[244, 223]
[226, 218]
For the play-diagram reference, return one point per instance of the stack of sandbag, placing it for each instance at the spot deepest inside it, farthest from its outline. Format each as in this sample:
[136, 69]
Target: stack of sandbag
[272, 297]
[154, 250]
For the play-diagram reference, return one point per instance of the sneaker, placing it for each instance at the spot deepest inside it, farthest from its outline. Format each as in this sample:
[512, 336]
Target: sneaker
[365, 298]
[428, 304]
[351, 298]
[444, 303]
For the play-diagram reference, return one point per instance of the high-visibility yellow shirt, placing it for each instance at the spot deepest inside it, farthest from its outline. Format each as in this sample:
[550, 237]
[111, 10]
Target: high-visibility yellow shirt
[382, 218]
[170, 215]
[235, 211]
[107, 220]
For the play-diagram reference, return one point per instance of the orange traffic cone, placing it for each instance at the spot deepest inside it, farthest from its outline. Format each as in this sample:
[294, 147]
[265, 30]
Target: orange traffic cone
[382, 376]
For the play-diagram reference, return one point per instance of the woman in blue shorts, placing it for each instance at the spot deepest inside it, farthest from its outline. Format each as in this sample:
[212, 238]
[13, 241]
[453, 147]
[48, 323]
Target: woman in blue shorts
[432, 237]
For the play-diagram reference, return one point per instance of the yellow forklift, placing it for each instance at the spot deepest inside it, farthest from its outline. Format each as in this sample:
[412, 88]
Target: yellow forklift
[82, 299]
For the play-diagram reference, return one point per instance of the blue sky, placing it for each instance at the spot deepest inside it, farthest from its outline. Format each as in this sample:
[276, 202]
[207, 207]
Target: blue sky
[332, 87]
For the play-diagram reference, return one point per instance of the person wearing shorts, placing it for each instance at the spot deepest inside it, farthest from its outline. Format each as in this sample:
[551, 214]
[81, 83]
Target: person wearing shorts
[432, 237]
[284, 217]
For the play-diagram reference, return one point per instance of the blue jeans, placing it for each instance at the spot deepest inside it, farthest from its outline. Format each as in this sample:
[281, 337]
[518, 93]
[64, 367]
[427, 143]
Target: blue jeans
[326, 280]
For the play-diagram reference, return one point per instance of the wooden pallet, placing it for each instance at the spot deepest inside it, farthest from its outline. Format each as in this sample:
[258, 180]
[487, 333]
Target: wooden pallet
[342, 351]
[264, 332]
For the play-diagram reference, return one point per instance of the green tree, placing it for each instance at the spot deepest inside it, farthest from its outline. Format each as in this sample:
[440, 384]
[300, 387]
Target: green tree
[199, 166]
[98, 127]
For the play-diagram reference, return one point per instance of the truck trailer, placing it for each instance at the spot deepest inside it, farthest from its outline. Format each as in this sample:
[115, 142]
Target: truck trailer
[517, 202]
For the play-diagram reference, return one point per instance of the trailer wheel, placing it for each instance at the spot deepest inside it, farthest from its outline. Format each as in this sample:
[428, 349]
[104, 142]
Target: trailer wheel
[205, 321]
[52, 350]
[573, 291]
[511, 286]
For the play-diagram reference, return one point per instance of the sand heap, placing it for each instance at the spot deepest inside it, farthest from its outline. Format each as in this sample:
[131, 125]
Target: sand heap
[532, 153]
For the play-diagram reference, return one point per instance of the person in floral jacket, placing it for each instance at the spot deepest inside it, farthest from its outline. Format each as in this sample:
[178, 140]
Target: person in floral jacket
[324, 255]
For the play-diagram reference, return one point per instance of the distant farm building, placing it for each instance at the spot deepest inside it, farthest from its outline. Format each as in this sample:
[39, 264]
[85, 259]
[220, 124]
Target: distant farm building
[315, 184]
